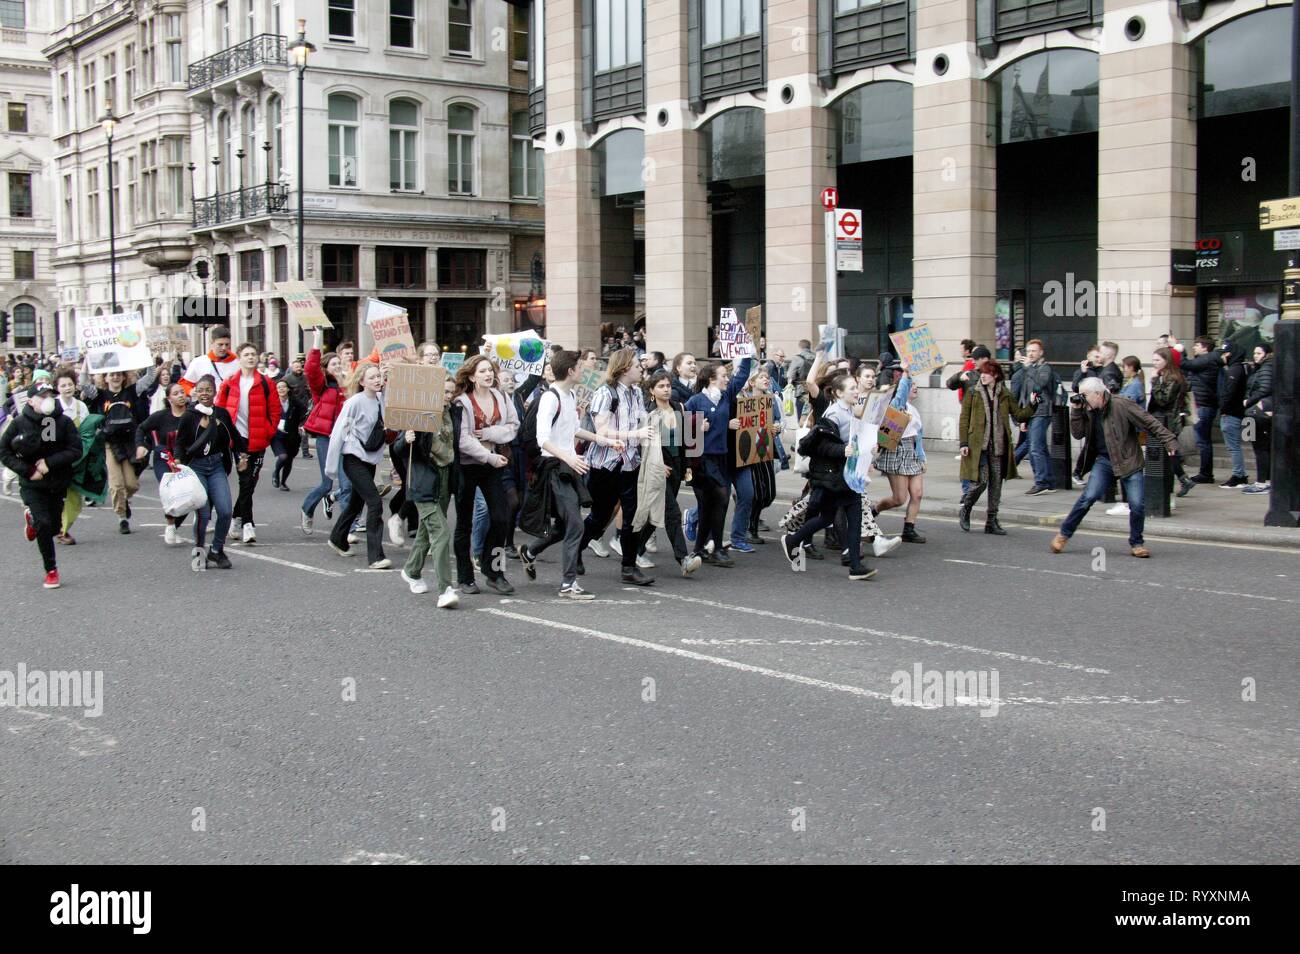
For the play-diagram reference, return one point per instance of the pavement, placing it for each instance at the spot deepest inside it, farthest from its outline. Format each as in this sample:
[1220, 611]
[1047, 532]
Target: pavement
[299, 709]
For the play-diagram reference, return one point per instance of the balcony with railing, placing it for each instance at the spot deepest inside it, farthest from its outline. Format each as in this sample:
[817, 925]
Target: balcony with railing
[267, 49]
[252, 202]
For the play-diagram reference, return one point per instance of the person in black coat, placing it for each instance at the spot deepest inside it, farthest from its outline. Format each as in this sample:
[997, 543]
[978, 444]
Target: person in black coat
[1259, 411]
[205, 442]
[1202, 372]
[42, 446]
[1231, 388]
[124, 409]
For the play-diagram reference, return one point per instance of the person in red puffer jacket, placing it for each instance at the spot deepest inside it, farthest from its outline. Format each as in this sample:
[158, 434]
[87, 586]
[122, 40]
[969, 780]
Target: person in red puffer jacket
[325, 380]
[254, 405]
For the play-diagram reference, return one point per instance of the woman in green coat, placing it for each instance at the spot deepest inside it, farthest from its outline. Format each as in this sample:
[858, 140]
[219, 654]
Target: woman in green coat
[988, 455]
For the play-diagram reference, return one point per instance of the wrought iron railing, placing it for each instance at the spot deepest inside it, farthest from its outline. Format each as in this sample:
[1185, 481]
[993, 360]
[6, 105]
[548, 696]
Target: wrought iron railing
[240, 204]
[264, 49]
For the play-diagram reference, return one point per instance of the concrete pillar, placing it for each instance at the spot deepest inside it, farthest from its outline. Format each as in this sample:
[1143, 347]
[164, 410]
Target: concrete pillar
[798, 165]
[954, 166]
[1146, 178]
[572, 206]
[678, 252]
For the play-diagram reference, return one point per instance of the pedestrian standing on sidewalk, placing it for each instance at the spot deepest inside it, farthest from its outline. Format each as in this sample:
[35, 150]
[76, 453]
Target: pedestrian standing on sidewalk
[1135, 380]
[357, 446]
[1035, 384]
[41, 446]
[985, 431]
[156, 435]
[1232, 409]
[251, 400]
[205, 442]
[324, 377]
[1202, 372]
[1168, 405]
[905, 464]
[1259, 410]
[431, 478]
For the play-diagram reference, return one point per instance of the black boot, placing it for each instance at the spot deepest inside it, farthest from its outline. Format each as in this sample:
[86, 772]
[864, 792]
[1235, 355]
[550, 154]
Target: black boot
[992, 526]
[910, 535]
[1184, 486]
[963, 517]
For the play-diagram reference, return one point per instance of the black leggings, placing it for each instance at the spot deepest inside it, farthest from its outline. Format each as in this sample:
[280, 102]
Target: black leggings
[608, 489]
[247, 485]
[712, 499]
[47, 516]
[397, 503]
[364, 494]
[486, 478]
[823, 506]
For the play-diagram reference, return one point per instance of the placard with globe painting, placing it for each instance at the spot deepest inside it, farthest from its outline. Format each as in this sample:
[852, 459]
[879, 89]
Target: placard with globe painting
[113, 342]
[392, 331]
[522, 352]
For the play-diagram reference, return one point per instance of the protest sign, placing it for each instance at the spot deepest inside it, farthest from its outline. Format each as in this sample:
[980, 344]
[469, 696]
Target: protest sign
[413, 397]
[733, 338]
[452, 360]
[832, 339]
[113, 342]
[917, 350]
[522, 351]
[589, 380]
[302, 304]
[169, 338]
[754, 442]
[892, 427]
[391, 330]
[754, 324]
[68, 355]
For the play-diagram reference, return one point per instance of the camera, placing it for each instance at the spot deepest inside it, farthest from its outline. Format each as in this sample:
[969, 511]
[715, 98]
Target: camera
[1076, 400]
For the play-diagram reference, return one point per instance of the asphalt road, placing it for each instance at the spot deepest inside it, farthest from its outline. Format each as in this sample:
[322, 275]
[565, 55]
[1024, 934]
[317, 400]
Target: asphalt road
[741, 716]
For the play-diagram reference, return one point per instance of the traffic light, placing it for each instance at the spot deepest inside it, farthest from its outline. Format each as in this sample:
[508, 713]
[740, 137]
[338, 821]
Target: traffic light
[4, 326]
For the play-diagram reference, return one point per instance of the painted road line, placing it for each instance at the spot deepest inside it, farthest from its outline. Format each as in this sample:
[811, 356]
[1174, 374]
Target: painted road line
[921, 640]
[289, 563]
[1054, 528]
[1103, 578]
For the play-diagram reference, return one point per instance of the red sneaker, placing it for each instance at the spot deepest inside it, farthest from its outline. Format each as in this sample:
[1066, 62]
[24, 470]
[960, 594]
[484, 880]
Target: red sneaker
[52, 580]
[30, 531]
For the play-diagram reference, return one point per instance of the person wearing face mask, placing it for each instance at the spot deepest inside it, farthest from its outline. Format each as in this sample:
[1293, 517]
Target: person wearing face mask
[123, 408]
[157, 435]
[205, 442]
[713, 409]
[41, 446]
[324, 377]
[826, 447]
[987, 453]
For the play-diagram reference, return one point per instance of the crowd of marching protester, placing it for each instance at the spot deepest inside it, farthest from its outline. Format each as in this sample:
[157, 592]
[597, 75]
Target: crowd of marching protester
[547, 461]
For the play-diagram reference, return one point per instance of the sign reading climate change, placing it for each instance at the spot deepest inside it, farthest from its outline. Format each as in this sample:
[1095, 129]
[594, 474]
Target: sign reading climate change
[523, 351]
[113, 342]
[392, 331]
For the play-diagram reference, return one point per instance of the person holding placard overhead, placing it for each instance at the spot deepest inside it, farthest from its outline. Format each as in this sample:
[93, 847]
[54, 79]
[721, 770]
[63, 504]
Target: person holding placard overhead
[904, 466]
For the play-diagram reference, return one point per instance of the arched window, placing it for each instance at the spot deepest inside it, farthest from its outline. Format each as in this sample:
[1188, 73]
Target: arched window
[275, 125]
[226, 151]
[875, 122]
[24, 326]
[1245, 64]
[403, 145]
[1048, 94]
[248, 143]
[344, 121]
[460, 149]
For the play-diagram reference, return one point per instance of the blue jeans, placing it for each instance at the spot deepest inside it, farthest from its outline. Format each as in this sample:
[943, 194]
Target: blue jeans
[478, 534]
[326, 485]
[1231, 427]
[1035, 446]
[743, 482]
[213, 476]
[1204, 426]
[1099, 481]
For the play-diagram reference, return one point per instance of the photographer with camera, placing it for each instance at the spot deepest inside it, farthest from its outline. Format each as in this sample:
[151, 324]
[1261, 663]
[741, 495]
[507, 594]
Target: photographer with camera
[1109, 431]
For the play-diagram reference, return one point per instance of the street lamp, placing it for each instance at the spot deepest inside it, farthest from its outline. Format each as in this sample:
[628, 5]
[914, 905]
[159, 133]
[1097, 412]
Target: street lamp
[108, 123]
[299, 51]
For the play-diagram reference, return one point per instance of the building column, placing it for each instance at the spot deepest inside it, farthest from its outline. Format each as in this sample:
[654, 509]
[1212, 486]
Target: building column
[572, 181]
[1146, 178]
[798, 164]
[954, 170]
[678, 251]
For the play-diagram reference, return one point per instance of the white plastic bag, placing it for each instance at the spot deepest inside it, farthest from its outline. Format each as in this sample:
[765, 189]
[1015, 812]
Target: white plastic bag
[801, 461]
[181, 492]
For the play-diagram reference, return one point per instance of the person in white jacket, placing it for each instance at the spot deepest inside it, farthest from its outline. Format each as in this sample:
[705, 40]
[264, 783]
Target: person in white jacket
[489, 423]
[354, 450]
[220, 361]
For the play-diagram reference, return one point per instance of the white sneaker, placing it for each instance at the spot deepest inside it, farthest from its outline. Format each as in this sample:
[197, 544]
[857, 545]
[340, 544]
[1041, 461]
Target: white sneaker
[340, 551]
[644, 564]
[599, 549]
[1119, 510]
[306, 523]
[418, 587]
[384, 564]
[397, 530]
[353, 538]
[237, 526]
[169, 535]
[1172, 505]
[572, 591]
[651, 546]
[883, 545]
[250, 533]
[450, 599]
[615, 546]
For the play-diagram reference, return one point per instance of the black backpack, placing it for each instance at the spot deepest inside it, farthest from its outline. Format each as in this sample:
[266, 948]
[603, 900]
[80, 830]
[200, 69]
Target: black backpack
[528, 432]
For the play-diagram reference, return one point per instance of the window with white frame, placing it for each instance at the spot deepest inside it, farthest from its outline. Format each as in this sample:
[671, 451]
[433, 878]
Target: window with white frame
[148, 46]
[175, 49]
[128, 74]
[460, 149]
[343, 21]
[16, 117]
[731, 19]
[344, 119]
[20, 195]
[149, 181]
[525, 159]
[132, 193]
[519, 37]
[90, 93]
[24, 326]
[249, 21]
[460, 27]
[175, 157]
[248, 144]
[224, 36]
[24, 265]
[13, 14]
[225, 152]
[617, 32]
[65, 102]
[275, 123]
[403, 145]
[68, 191]
[110, 81]
[115, 194]
[275, 17]
[401, 24]
[92, 203]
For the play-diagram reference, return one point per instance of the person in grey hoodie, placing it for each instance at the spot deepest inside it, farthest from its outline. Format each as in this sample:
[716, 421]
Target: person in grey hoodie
[356, 447]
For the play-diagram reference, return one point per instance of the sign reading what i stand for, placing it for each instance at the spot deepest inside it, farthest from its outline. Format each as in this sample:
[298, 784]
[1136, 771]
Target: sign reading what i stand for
[392, 331]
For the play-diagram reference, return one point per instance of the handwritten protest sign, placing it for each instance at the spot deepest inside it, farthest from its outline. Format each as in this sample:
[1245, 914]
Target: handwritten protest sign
[113, 342]
[169, 338]
[391, 330]
[523, 351]
[414, 397]
[917, 350]
[754, 323]
[589, 380]
[832, 339]
[733, 338]
[892, 427]
[302, 304]
[452, 360]
[754, 442]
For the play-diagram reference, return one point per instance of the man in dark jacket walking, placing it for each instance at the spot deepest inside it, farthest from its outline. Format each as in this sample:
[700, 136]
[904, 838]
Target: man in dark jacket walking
[42, 446]
[1109, 431]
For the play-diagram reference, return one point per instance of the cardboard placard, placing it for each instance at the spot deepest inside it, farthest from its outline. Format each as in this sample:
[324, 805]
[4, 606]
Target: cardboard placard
[391, 330]
[452, 360]
[733, 338]
[114, 342]
[413, 397]
[170, 338]
[589, 381]
[754, 323]
[892, 427]
[302, 304]
[917, 350]
[832, 340]
[754, 442]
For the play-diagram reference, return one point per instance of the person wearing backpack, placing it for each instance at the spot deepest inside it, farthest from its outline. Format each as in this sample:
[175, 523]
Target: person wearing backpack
[357, 446]
[254, 405]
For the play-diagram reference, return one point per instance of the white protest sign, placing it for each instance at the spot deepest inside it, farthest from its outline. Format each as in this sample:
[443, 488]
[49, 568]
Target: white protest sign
[523, 351]
[733, 337]
[113, 342]
[392, 331]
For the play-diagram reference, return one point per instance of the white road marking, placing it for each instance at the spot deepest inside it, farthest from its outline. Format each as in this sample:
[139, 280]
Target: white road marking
[288, 563]
[363, 857]
[830, 624]
[567, 602]
[1054, 527]
[1103, 578]
[98, 741]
